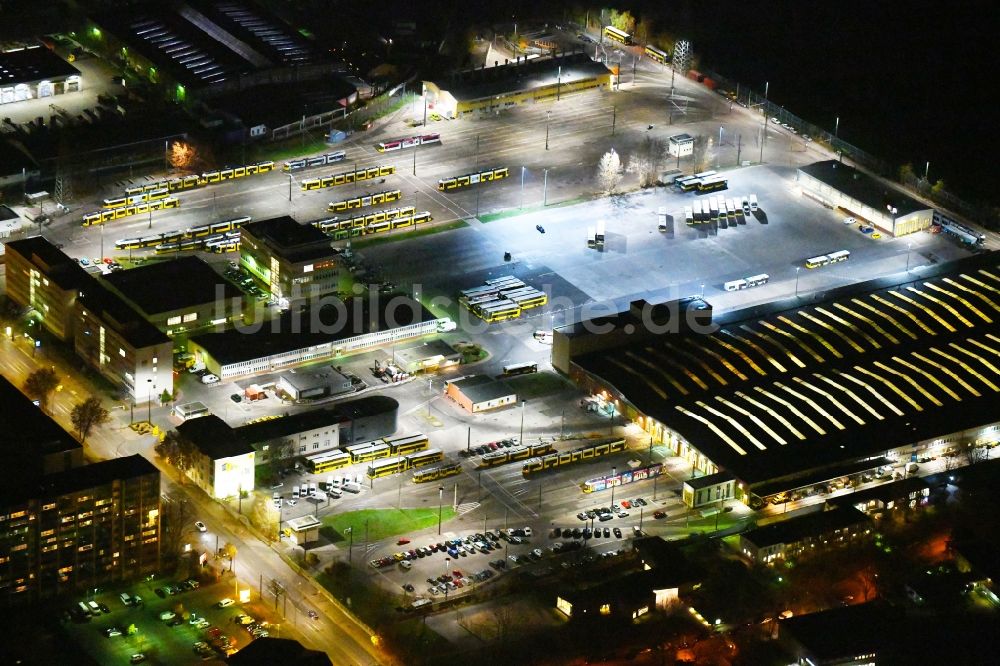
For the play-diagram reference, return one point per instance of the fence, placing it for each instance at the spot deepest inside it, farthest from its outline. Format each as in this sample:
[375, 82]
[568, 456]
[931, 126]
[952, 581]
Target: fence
[745, 96]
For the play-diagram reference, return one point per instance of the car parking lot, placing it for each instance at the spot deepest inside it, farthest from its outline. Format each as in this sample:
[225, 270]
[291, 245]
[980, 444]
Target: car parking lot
[167, 623]
[456, 564]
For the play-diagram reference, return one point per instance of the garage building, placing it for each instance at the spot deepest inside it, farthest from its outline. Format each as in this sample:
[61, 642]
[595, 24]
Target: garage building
[33, 73]
[869, 199]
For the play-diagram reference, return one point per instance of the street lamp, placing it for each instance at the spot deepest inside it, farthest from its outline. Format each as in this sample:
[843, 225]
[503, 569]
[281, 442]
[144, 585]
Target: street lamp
[522, 187]
[797, 269]
[149, 401]
[548, 114]
[614, 473]
[520, 439]
[836, 127]
[447, 569]
[545, 187]
[909, 246]
[440, 500]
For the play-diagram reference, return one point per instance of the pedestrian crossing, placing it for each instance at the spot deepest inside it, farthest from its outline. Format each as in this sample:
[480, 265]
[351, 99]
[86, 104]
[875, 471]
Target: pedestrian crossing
[466, 507]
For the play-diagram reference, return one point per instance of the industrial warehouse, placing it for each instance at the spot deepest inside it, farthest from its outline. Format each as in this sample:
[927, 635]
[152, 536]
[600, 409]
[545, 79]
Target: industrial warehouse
[784, 398]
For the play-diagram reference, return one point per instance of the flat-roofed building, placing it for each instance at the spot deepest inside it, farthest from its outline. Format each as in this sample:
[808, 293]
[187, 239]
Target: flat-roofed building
[292, 261]
[180, 296]
[312, 335]
[479, 393]
[224, 464]
[871, 199]
[795, 400]
[314, 383]
[808, 533]
[43, 277]
[122, 346]
[702, 491]
[492, 89]
[35, 72]
[680, 145]
[432, 355]
[66, 526]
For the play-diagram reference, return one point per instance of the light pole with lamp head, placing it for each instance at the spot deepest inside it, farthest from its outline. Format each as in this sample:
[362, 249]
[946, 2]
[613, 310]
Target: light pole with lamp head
[909, 246]
[520, 439]
[548, 115]
[614, 473]
[149, 401]
[522, 187]
[797, 269]
[440, 500]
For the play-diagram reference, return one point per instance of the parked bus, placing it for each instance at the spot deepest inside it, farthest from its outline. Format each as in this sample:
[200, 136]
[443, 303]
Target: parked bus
[712, 184]
[347, 177]
[140, 208]
[656, 54]
[501, 311]
[387, 467]
[324, 462]
[616, 35]
[839, 255]
[400, 446]
[661, 218]
[687, 184]
[758, 280]
[408, 142]
[376, 199]
[519, 369]
[736, 285]
[816, 262]
[368, 451]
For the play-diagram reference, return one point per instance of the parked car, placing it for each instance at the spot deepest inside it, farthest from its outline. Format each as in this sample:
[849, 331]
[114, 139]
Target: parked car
[225, 603]
[200, 526]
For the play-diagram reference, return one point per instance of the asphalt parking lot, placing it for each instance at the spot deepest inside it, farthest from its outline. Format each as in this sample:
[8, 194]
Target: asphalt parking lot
[144, 632]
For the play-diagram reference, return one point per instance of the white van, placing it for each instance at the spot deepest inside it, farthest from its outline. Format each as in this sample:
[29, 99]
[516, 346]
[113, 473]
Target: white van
[276, 498]
[753, 202]
[312, 490]
[209, 379]
[95, 610]
[126, 598]
[736, 285]
[745, 205]
[295, 492]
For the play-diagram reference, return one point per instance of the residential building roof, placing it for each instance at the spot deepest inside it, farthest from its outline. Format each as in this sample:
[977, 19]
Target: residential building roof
[813, 524]
[872, 192]
[883, 492]
[168, 286]
[214, 437]
[120, 317]
[58, 267]
[699, 482]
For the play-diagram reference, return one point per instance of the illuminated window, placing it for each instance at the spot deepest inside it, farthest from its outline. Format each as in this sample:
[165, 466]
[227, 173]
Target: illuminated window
[121, 352]
[308, 268]
[605, 609]
[191, 316]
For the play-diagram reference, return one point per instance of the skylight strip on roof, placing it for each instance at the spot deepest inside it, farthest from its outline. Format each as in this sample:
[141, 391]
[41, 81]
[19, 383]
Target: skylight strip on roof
[794, 339]
[792, 408]
[833, 400]
[775, 415]
[777, 345]
[983, 297]
[819, 322]
[873, 309]
[770, 357]
[934, 380]
[940, 302]
[850, 326]
[711, 426]
[816, 336]
[733, 422]
[895, 389]
[948, 371]
[854, 396]
[905, 312]
[812, 403]
[961, 300]
[753, 417]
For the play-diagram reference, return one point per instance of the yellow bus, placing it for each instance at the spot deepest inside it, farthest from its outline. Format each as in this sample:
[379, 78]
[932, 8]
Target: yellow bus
[400, 446]
[616, 35]
[324, 462]
[656, 54]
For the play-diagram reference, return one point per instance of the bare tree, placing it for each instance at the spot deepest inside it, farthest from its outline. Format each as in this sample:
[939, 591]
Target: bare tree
[972, 452]
[228, 552]
[699, 153]
[645, 163]
[177, 450]
[40, 384]
[87, 415]
[609, 172]
[178, 516]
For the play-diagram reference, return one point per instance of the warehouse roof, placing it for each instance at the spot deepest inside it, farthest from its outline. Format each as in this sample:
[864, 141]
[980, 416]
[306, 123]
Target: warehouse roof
[351, 410]
[167, 286]
[883, 492]
[296, 330]
[519, 76]
[798, 528]
[870, 191]
[32, 65]
[804, 388]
